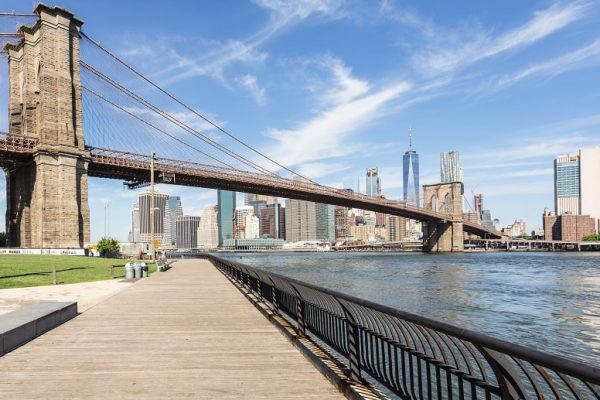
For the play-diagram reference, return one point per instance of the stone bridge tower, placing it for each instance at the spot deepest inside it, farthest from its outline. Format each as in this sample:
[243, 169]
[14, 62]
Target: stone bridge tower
[444, 236]
[47, 199]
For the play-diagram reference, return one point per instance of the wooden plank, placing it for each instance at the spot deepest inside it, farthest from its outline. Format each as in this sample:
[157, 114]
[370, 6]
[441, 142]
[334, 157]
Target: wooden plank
[183, 333]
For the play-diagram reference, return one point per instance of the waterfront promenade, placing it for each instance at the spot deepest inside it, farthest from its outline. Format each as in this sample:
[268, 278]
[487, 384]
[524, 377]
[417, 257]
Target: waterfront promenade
[184, 333]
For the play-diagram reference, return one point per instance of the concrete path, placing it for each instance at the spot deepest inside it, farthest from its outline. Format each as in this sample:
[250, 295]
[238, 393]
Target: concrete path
[187, 332]
[86, 294]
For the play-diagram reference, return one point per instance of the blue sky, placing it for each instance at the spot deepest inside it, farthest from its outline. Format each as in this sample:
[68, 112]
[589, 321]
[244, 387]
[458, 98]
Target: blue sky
[331, 87]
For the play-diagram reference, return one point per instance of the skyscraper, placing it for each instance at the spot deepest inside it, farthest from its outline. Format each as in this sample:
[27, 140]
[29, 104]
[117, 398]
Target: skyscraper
[135, 223]
[576, 188]
[187, 231]
[373, 182]
[144, 201]
[566, 184]
[172, 211]
[208, 230]
[226, 204]
[450, 169]
[300, 223]
[241, 224]
[410, 169]
[325, 222]
[270, 221]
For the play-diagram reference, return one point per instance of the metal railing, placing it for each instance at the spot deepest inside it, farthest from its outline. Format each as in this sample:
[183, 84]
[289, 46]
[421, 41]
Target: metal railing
[412, 356]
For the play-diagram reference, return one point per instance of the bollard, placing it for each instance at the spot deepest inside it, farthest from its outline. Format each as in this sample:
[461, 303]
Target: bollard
[54, 275]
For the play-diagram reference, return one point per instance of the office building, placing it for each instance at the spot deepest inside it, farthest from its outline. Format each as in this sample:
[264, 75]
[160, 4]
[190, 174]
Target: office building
[567, 185]
[373, 182]
[160, 202]
[478, 206]
[486, 219]
[396, 228]
[173, 210]
[325, 222]
[368, 233]
[576, 187]
[589, 176]
[300, 220]
[208, 229]
[240, 221]
[187, 231]
[450, 170]
[410, 176]
[342, 224]
[567, 227]
[271, 221]
[134, 234]
[258, 202]
[226, 206]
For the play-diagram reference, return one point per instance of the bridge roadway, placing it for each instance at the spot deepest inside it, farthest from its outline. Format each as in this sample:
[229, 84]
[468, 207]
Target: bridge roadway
[106, 163]
[185, 333]
[114, 164]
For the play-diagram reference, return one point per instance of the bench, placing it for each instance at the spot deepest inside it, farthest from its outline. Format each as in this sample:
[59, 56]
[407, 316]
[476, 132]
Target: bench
[25, 324]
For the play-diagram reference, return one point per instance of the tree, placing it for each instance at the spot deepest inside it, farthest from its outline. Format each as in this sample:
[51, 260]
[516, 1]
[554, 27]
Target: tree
[2, 239]
[591, 238]
[108, 247]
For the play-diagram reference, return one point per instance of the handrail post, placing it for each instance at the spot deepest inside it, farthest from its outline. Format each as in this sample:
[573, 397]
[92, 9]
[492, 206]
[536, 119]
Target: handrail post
[352, 335]
[508, 379]
[274, 292]
[300, 312]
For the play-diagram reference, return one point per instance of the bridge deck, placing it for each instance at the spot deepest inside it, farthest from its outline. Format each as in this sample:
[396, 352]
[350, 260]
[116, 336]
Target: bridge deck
[184, 333]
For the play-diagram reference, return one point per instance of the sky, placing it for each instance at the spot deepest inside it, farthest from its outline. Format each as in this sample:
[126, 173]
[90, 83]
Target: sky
[332, 87]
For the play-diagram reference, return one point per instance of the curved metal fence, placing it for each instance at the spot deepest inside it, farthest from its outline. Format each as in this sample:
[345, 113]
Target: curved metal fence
[412, 356]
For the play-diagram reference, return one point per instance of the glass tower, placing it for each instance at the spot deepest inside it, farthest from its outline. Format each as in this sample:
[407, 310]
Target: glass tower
[567, 184]
[226, 204]
[373, 182]
[410, 175]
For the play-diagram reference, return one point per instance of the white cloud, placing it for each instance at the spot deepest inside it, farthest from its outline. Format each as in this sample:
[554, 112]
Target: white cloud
[250, 83]
[324, 136]
[555, 66]
[442, 56]
[347, 87]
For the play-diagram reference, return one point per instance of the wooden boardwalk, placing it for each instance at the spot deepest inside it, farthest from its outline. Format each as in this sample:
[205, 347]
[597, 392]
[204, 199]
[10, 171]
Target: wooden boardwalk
[187, 332]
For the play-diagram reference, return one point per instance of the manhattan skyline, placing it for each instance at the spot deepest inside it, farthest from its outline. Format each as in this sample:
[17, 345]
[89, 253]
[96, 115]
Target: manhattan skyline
[330, 88]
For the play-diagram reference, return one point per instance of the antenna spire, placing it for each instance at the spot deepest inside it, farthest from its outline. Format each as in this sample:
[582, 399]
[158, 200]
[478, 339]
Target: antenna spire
[410, 138]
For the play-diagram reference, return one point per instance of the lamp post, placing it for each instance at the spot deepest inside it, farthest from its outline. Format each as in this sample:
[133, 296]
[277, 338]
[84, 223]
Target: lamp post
[152, 250]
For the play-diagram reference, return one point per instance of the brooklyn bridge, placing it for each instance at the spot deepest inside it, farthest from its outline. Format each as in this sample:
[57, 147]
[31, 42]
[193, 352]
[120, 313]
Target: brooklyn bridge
[62, 82]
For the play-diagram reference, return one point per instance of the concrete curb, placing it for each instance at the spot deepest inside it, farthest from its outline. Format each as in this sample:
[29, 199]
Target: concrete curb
[23, 325]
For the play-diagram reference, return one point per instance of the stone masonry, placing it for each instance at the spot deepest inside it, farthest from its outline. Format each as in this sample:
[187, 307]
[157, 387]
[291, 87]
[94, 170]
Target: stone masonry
[445, 236]
[47, 200]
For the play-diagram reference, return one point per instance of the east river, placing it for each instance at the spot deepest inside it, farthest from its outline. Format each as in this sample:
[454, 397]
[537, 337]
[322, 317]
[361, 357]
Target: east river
[550, 301]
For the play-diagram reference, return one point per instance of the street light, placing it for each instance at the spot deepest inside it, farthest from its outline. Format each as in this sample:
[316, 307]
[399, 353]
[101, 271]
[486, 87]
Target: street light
[152, 250]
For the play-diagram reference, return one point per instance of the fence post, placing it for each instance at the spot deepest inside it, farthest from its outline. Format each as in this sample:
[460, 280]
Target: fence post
[54, 274]
[274, 292]
[508, 379]
[112, 271]
[300, 312]
[352, 335]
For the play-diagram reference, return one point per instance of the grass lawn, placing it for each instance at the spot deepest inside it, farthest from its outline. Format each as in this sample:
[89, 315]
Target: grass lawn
[35, 270]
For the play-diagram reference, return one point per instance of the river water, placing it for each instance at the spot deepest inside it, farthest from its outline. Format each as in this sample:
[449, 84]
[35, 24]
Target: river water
[550, 301]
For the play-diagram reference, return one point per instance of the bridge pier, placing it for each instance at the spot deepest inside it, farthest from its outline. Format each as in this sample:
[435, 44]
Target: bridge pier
[447, 235]
[443, 236]
[47, 200]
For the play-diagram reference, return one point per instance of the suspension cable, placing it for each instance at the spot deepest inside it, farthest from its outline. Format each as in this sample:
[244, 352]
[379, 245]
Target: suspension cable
[136, 72]
[154, 126]
[175, 120]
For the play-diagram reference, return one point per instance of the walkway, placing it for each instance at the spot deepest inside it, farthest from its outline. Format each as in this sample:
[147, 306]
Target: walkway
[186, 333]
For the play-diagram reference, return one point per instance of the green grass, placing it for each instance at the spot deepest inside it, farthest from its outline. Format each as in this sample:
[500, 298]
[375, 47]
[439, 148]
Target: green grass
[33, 270]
